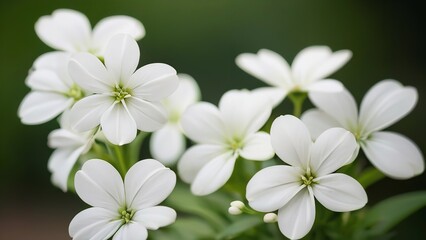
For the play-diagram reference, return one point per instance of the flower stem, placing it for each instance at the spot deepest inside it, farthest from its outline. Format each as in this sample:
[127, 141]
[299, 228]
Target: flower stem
[133, 149]
[120, 158]
[297, 98]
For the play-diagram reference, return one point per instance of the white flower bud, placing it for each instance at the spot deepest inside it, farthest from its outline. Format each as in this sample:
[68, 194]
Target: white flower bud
[234, 211]
[270, 218]
[238, 204]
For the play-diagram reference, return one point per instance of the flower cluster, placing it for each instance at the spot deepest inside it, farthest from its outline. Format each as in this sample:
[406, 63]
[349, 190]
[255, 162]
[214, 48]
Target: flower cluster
[106, 106]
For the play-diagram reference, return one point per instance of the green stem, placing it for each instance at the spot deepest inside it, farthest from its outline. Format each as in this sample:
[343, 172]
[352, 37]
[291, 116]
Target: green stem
[133, 149]
[120, 158]
[297, 98]
[369, 176]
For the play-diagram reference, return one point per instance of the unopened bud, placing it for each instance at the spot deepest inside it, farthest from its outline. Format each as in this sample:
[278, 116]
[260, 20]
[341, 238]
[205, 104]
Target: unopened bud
[238, 204]
[234, 210]
[270, 218]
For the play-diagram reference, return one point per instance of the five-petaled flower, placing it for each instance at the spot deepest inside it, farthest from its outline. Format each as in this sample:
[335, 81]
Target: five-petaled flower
[124, 211]
[123, 100]
[222, 135]
[384, 104]
[311, 65]
[291, 189]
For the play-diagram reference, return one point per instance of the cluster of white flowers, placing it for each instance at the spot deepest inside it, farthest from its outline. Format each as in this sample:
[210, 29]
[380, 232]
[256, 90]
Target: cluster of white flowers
[104, 102]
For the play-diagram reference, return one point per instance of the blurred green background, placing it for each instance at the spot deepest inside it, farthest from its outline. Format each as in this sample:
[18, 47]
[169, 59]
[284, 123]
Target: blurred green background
[202, 38]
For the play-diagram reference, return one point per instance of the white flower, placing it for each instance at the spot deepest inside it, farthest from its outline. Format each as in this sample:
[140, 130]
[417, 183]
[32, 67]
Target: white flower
[223, 135]
[168, 143]
[311, 65]
[123, 210]
[53, 91]
[291, 189]
[70, 31]
[123, 100]
[384, 104]
[69, 146]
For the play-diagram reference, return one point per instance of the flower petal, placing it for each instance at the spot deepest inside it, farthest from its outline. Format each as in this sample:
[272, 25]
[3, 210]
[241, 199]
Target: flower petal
[167, 144]
[65, 29]
[296, 218]
[46, 80]
[331, 64]
[153, 82]
[307, 60]
[291, 140]
[339, 192]
[385, 104]
[94, 223]
[203, 123]
[214, 174]
[61, 163]
[147, 184]
[118, 125]
[131, 231]
[257, 147]
[243, 112]
[89, 73]
[100, 185]
[56, 62]
[394, 154]
[86, 113]
[63, 138]
[338, 105]
[317, 122]
[149, 116]
[272, 187]
[268, 66]
[332, 149]
[155, 217]
[40, 107]
[186, 94]
[326, 86]
[121, 58]
[275, 94]
[194, 159]
[114, 25]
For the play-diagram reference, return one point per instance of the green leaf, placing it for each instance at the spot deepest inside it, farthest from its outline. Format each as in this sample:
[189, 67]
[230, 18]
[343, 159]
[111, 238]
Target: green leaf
[239, 226]
[388, 213]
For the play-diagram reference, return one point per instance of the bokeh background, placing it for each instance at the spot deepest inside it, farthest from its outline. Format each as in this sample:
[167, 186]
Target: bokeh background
[202, 38]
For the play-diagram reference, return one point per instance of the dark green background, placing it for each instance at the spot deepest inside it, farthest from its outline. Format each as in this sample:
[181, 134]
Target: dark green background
[202, 38]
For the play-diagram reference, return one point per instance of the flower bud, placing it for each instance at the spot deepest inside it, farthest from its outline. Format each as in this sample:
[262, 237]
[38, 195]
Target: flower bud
[270, 218]
[238, 204]
[234, 210]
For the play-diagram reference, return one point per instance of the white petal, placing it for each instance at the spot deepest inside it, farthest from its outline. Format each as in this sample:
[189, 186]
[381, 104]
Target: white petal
[307, 60]
[111, 26]
[257, 147]
[89, 73]
[186, 94]
[296, 218]
[118, 125]
[100, 185]
[148, 183]
[46, 80]
[330, 65]
[121, 58]
[61, 163]
[131, 231]
[214, 174]
[65, 29]
[338, 105]
[40, 107]
[195, 158]
[275, 94]
[332, 149]
[339, 192]
[86, 113]
[203, 123]
[272, 187]
[149, 116]
[317, 122]
[326, 86]
[266, 65]
[386, 103]
[291, 140]
[63, 138]
[394, 154]
[94, 223]
[56, 62]
[154, 81]
[167, 144]
[155, 217]
[243, 112]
